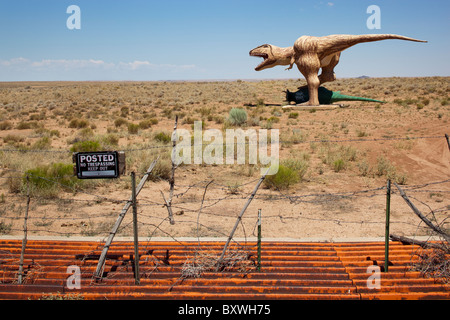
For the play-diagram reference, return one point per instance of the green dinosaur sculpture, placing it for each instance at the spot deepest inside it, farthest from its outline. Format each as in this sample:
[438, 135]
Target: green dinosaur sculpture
[325, 96]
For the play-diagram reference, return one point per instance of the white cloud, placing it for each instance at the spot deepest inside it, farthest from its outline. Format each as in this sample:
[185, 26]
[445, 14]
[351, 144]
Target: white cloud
[330, 4]
[69, 64]
[88, 67]
[14, 62]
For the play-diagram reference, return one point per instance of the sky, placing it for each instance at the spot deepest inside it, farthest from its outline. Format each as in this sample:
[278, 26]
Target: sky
[137, 40]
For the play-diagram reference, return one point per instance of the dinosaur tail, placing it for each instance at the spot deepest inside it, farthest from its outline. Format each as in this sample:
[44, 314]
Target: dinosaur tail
[337, 96]
[340, 42]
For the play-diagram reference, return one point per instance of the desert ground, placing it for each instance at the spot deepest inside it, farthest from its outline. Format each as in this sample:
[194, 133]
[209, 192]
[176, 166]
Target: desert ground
[338, 160]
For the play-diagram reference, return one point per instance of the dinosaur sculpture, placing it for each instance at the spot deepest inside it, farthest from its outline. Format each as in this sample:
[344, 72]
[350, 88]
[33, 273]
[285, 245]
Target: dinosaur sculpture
[325, 96]
[311, 54]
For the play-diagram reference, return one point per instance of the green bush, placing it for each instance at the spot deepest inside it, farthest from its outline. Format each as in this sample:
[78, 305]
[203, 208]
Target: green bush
[48, 179]
[110, 140]
[289, 173]
[283, 179]
[133, 128]
[339, 164]
[42, 143]
[119, 122]
[338, 157]
[78, 123]
[86, 146]
[237, 117]
[145, 124]
[293, 115]
[26, 125]
[163, 137]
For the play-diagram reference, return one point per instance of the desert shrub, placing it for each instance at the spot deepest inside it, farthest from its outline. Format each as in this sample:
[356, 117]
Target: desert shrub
[204, 111]
[133, 128]
[237, 117]
[188, 120]
[78, 123]
[55, 133]
[294, 136]
[110, 140]
[162, 169]
[42, 143]
[289, 173]
[163, 137]
[46, 180]
[5, 228]
[284, 178]
[338, 165]
[26, 125]
[274, 119]
[37, 116]
[388, 170]
[338, 157]
[145, 124]
[13, 139]
[260, 102]
[124, 111]
[86, 146]
[153, 121]
[384, 167]
[300, 166]
[5, 125]
[293, 115]
[120, 122]
[364, 168]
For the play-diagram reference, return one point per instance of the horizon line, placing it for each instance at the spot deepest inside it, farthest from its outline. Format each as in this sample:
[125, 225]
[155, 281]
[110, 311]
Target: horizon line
[219, 80]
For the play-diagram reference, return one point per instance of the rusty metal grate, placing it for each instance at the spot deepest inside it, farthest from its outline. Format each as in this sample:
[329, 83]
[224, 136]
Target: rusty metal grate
[307, 271]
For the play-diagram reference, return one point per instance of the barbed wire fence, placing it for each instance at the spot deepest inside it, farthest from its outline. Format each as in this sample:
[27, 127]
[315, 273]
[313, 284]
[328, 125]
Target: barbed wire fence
[197, 206]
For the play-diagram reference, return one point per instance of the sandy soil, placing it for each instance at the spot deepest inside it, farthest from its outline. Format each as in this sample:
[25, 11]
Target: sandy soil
[326, 204]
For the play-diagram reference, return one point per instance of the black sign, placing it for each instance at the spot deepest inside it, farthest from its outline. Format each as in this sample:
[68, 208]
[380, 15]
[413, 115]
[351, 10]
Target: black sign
[97, 165]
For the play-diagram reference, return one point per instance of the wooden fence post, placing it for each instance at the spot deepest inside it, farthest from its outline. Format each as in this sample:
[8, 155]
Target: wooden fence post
[436, 229]
[172, 176]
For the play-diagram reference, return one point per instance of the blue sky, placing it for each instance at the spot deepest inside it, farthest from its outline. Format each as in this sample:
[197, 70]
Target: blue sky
[210, 39]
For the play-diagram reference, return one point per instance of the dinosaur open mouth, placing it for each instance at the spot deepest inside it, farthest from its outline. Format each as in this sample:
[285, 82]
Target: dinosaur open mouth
[260, 55]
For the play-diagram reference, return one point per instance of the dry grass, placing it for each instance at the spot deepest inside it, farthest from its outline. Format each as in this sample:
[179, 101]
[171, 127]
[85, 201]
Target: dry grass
[207, 261]
[37, 117]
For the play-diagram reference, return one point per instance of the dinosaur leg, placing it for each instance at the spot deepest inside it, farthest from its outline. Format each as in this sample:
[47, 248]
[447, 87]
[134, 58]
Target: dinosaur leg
[309, 65]
[328, 74]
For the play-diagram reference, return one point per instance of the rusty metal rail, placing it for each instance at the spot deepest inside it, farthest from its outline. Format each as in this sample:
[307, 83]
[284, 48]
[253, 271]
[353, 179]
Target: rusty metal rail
[288, 271]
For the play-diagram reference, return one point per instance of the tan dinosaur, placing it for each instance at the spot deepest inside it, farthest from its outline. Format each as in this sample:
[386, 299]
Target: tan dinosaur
[311, 54]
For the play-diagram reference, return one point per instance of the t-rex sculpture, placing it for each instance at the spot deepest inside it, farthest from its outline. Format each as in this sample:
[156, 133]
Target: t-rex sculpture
[325, 96]
[311, 54]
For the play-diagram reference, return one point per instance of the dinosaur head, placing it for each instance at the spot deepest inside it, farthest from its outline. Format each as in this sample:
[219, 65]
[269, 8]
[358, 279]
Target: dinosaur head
[272, 55]
[266, 52]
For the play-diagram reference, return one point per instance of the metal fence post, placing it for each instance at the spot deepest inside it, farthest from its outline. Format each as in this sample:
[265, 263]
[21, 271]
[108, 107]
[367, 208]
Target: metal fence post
[135, 230]
[259, 240]
[388, 213]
